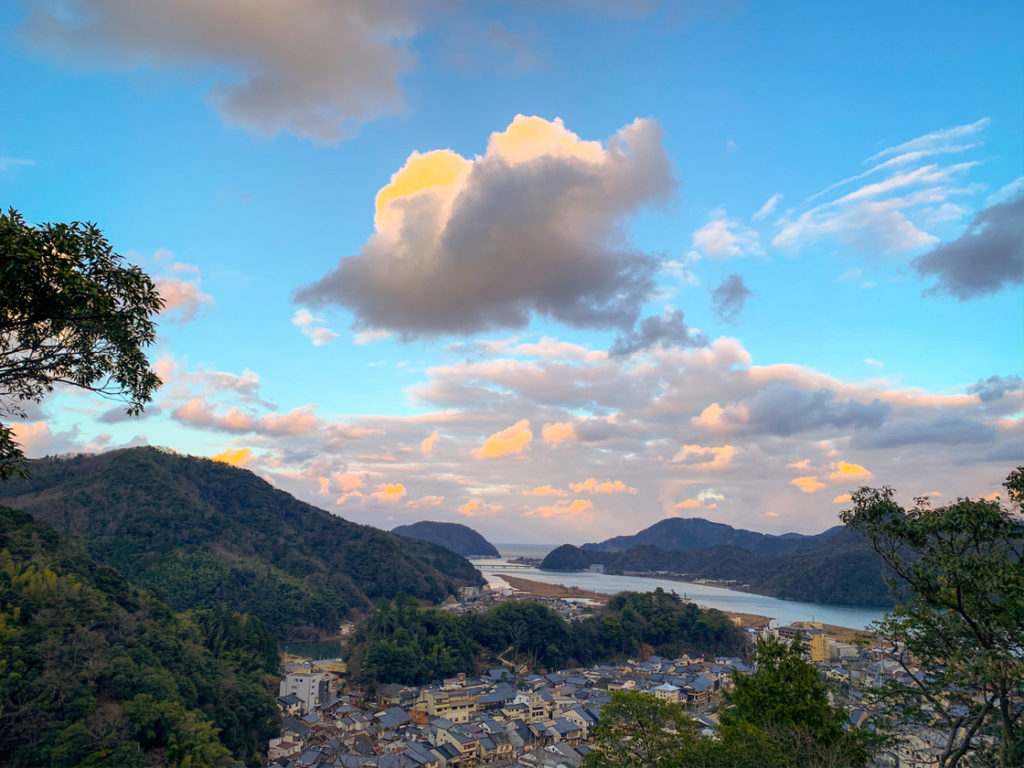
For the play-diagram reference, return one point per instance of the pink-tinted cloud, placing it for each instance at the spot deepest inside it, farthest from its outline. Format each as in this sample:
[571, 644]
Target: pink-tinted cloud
[429, 443]
[843, 471]
[808, 484]
[236, 457]
[574, 508]
[389, 492]
[592, 485]
[507, 442]
[546, 490]
[559, 432]
[477, 508]
[183, 299]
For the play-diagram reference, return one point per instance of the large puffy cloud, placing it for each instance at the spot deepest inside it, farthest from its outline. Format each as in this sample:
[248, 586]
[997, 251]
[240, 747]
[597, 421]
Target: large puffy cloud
[317, 73]
[987, 257]
[533, 226]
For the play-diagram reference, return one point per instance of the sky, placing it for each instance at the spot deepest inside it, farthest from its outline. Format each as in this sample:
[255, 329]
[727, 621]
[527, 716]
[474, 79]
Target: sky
[555, 270]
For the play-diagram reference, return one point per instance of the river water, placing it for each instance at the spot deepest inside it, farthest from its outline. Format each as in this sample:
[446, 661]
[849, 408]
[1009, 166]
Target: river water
[704, 595]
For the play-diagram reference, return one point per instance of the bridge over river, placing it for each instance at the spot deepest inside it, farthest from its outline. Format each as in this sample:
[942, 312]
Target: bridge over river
[500, 566]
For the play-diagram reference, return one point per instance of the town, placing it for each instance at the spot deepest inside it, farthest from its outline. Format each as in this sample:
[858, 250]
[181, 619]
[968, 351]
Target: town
[509, 716]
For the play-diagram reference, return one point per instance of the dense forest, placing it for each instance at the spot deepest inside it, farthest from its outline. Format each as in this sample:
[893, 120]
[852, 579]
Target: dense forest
[682, 533]
[95, 672]
[837, 566]
[459, 538]
[202, 534]
[403, 643]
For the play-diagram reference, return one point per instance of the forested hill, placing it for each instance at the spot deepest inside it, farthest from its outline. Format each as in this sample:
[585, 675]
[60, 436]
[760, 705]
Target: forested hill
[458, 538]
[201, 534]
[837, 566]
[93, 672]
[684, 533]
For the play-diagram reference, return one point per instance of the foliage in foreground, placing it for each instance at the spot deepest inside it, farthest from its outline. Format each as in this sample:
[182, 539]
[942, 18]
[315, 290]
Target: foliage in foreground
[403, 643]
[960, 567]
[71, 312]
[95, 673]
[778, 717]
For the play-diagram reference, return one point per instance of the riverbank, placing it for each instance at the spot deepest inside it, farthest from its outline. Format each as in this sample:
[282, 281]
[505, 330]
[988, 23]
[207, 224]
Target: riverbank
[560, 591]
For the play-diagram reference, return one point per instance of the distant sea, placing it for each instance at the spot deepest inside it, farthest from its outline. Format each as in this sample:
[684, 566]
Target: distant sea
[512, 551]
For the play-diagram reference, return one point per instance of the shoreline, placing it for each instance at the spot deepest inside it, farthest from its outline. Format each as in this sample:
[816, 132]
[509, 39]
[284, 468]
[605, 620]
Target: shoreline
[543, 589]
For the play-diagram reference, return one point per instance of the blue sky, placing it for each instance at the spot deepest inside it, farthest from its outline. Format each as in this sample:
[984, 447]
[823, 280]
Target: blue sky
[733, 260]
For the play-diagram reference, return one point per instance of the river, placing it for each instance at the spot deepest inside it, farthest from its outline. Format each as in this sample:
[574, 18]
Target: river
[704, 595]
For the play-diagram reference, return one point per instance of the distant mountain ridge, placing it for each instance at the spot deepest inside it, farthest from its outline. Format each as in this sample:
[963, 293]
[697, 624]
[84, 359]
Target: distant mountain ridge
[203, 534]
[835, 566]
[459, 538]
[685, 533]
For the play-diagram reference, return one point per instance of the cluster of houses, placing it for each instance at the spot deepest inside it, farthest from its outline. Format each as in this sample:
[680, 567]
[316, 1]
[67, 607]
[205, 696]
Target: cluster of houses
[532, 721]
[542, 721]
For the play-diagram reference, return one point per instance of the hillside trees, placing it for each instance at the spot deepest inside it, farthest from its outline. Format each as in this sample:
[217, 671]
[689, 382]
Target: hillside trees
[71, 312]
[781, 715]
[95, 672]
[778, 717]
[403, 643]
[201, 533]
[638, 730]
[960, 573]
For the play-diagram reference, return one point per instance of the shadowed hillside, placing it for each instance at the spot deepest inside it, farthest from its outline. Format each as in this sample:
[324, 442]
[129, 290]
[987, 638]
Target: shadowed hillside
[836, 566]
[460, 539]
[94, 672]
[201, 534]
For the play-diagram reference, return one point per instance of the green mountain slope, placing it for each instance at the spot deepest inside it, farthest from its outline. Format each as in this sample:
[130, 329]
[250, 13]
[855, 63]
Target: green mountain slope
[203, 534]
[94, 672]
[685, 533]
[459, 538]
[836, 566]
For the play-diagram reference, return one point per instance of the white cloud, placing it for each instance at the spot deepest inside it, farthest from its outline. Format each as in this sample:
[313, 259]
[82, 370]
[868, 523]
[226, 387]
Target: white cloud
[889, 215]
[532, 227]
[7, 163]
[725, 238]
[313, 328]
[766, 210]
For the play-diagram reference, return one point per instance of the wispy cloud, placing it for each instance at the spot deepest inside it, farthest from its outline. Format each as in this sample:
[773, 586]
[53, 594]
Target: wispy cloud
[890, 214]
[7, 163]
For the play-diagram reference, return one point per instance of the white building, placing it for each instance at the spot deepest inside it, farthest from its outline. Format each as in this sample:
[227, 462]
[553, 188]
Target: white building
[309, 687]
